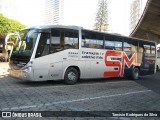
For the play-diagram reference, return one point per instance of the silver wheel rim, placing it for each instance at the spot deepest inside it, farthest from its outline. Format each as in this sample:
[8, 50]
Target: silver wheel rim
[136, 74]
[71, 76]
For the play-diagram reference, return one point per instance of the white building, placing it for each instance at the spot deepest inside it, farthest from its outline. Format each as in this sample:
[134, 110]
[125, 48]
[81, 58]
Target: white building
[53, 12]
[7, 8]
[136, 11]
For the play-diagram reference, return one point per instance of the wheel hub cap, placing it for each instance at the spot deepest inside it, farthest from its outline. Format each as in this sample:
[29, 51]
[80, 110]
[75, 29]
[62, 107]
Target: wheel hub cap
[71, 76]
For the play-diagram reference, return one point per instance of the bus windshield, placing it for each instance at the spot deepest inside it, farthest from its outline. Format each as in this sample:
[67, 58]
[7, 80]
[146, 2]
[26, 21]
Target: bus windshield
[23, 48]
[24, 45]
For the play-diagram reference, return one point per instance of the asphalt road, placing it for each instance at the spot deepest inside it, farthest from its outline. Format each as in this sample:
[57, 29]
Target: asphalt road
[90, 95]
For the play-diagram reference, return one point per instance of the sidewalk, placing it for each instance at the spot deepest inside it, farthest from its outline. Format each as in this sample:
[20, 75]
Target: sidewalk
[4, 68]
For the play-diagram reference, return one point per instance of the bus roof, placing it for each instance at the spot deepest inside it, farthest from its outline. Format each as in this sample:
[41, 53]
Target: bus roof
[119, 35]
[54, 26]
[81, 28]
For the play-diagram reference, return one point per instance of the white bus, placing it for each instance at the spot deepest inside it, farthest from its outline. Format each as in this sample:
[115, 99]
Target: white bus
[71, 53]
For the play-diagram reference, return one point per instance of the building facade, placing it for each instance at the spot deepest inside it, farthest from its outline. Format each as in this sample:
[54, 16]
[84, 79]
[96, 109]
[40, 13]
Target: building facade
[7, 8]
[136, 10]
[53, 12]
[134, 14]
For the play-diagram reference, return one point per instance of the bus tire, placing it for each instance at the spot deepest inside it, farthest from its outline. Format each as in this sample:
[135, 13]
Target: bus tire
[71, 76]
[135, 74]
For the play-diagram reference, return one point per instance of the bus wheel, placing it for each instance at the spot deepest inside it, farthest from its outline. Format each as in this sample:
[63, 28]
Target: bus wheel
[71, 76]
[135, 73]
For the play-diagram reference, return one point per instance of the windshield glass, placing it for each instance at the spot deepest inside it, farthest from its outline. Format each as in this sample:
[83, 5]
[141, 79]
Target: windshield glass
[24, 45]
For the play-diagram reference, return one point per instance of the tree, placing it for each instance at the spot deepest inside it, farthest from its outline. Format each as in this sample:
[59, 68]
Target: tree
[102, 16]
[8, 25]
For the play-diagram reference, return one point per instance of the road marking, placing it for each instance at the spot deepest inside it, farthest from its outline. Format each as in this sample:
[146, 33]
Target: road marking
[72, 101]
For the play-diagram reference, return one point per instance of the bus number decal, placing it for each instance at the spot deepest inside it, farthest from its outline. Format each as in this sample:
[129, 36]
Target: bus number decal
[119, 60]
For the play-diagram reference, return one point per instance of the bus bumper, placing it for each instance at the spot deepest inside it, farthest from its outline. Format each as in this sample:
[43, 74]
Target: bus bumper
[21, 74]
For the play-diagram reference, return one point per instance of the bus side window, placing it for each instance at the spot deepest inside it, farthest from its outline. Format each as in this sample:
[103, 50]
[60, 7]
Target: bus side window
[109, 45]
[92, 40]
[147, 49]
[56, 43]
[126, 46]
[140, 48]
[118, 45]
[43, 46]
[129, 46]
[153, 49]
[158, 52]
[71, 40]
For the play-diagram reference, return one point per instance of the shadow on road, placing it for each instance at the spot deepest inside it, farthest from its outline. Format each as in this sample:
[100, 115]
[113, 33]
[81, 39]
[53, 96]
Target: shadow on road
[23, 83]
[151, 82]
[60, 82]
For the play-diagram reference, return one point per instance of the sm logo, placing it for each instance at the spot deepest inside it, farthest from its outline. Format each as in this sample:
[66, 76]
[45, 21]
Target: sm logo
[118, 60]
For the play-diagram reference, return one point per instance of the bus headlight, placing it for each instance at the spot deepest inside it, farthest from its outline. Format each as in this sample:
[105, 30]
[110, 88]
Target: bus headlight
[27, 70]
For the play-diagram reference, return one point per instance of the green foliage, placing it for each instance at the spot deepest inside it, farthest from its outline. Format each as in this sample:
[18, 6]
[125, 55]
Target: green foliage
[9, 25]
[102, 16]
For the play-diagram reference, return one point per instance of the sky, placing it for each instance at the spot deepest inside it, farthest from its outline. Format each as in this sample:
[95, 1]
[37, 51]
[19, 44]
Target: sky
[77, 12]
[30, 12]
[80, 12]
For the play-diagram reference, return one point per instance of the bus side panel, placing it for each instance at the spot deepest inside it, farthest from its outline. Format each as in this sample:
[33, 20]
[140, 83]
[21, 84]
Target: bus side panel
[55, 70]
[127, 69]
[87, 69]
[94, 62]
[148, 64]
[55, 65]
[78, 64]
[158, 62]
[158, 57]
[97, 68]
[41, 68]
[71, 59]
